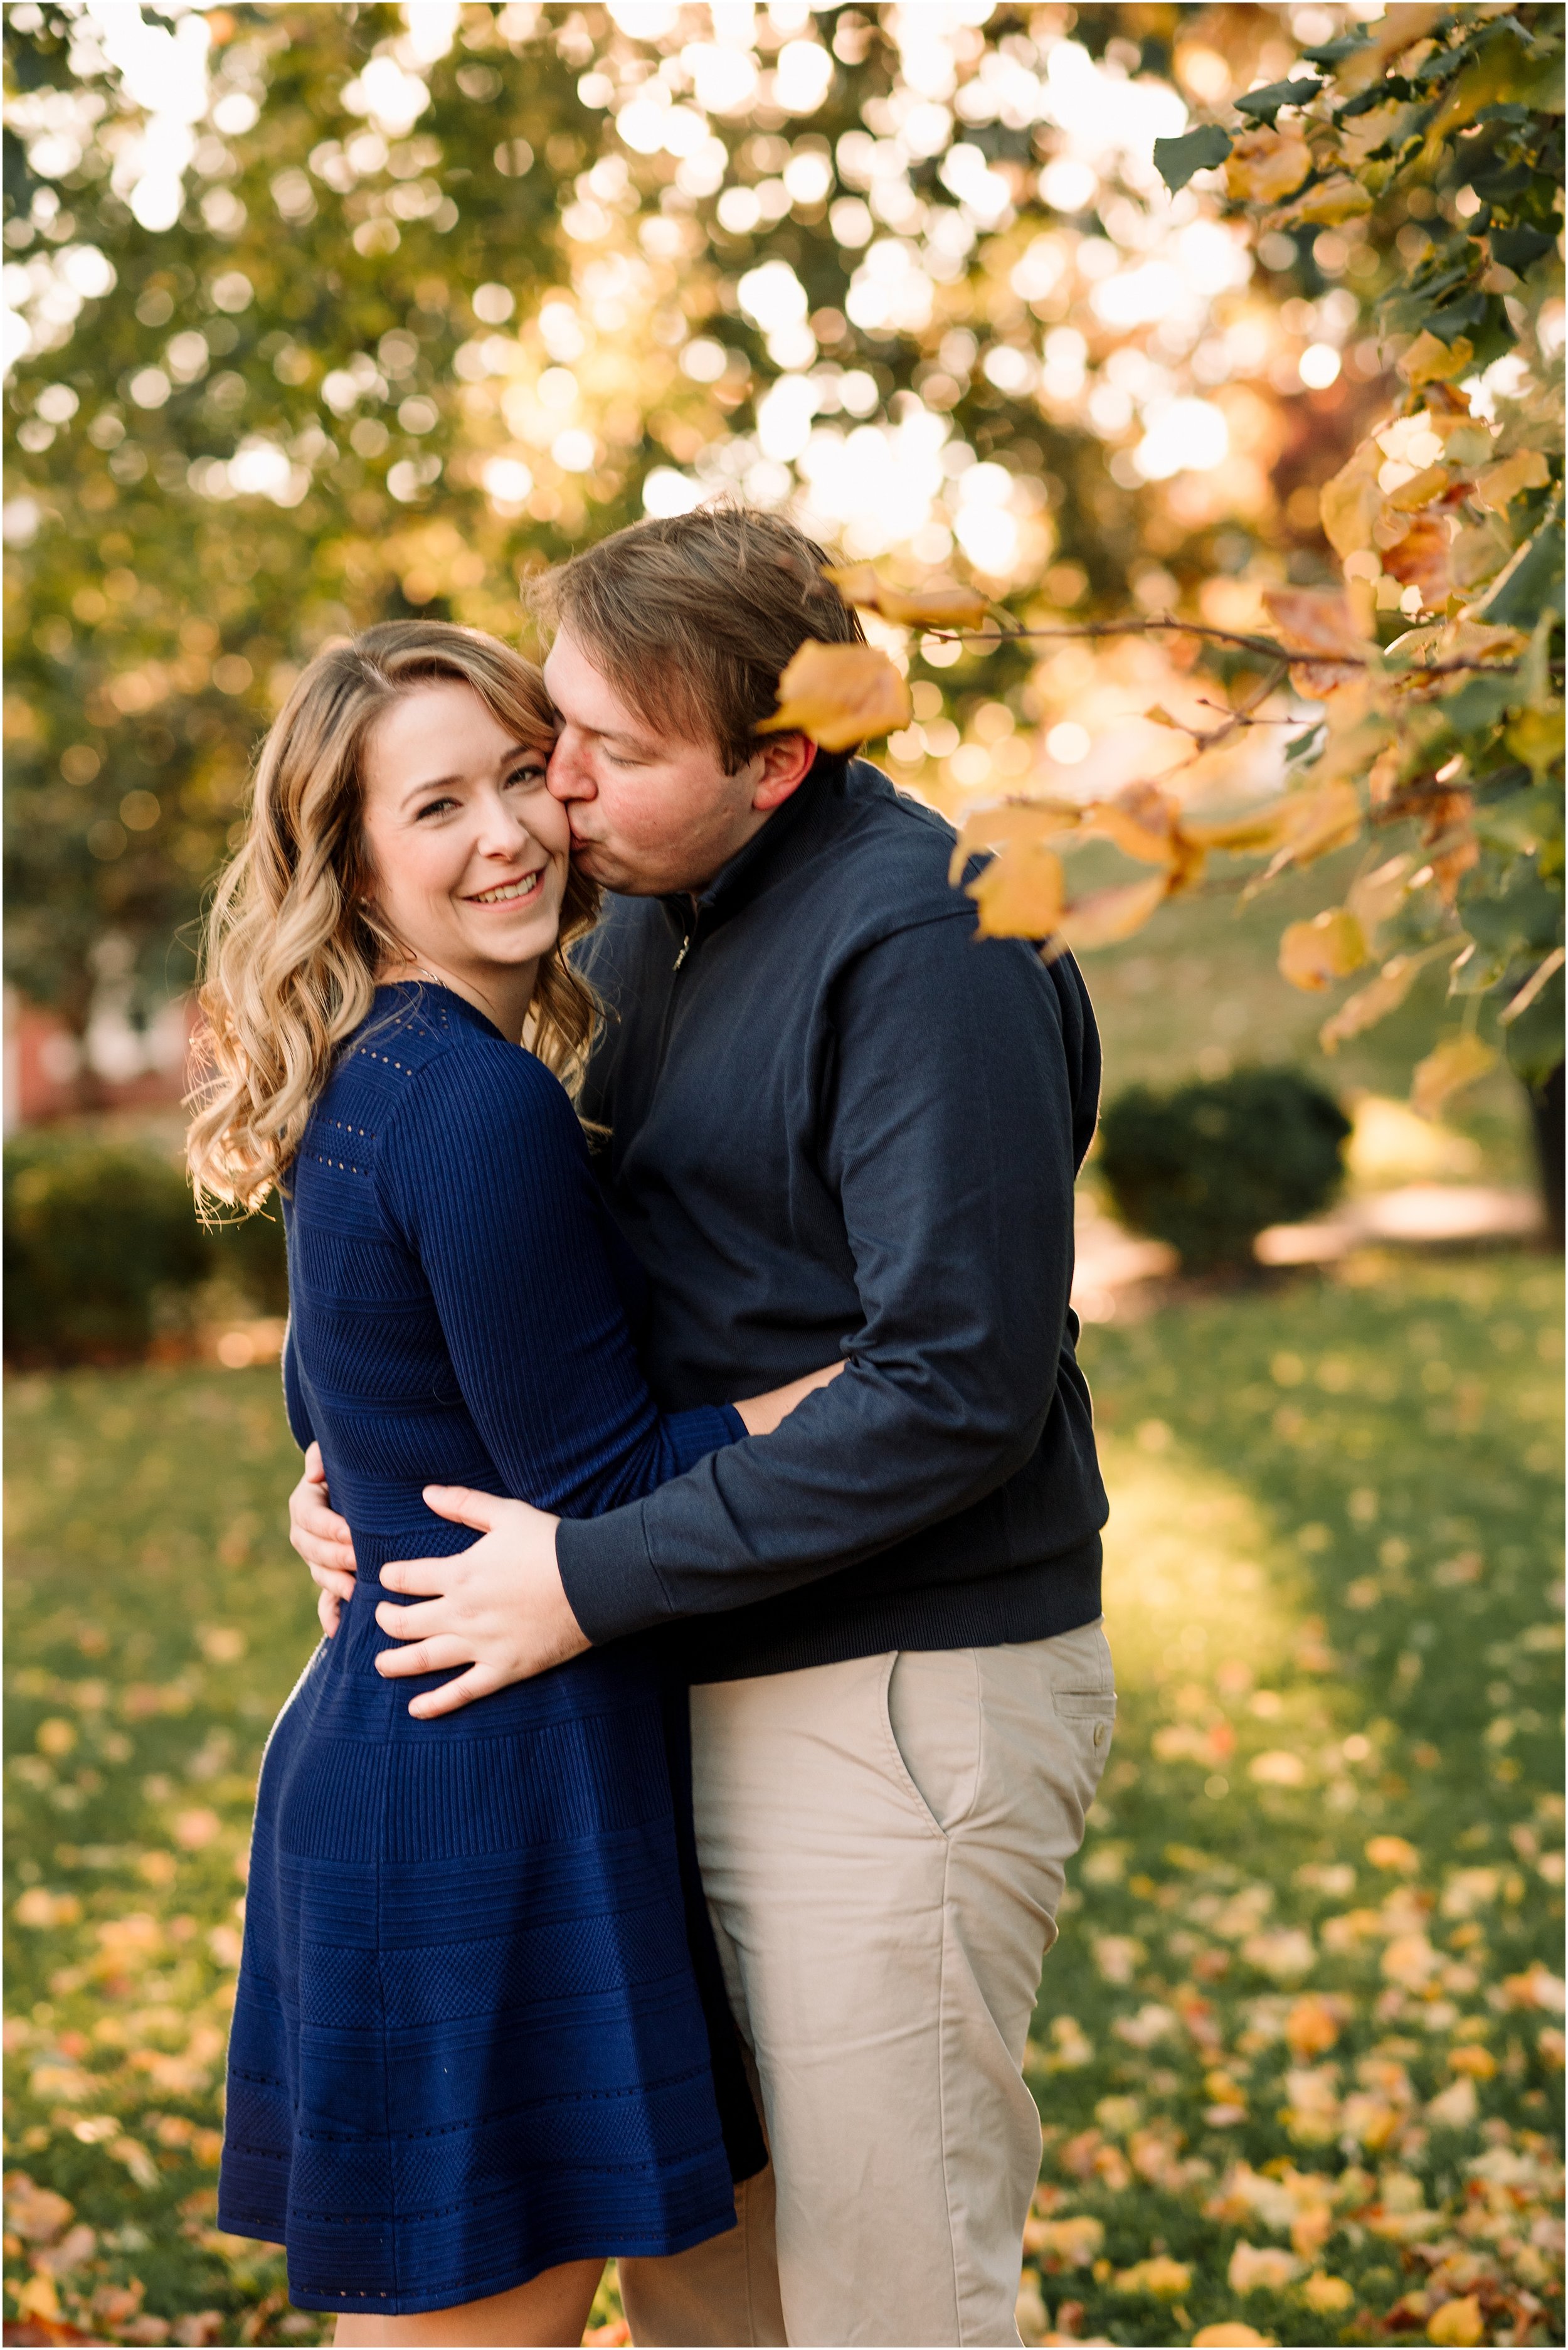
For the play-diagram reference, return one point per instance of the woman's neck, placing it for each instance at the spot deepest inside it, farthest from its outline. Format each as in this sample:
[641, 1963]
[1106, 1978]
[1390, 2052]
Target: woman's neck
[502, 995]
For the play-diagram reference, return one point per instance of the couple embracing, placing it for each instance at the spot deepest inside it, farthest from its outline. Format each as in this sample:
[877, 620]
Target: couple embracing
[658, 1859]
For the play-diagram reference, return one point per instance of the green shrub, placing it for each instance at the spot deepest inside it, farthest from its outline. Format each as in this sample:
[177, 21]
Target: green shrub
[100, 1234]
[1206, 1167]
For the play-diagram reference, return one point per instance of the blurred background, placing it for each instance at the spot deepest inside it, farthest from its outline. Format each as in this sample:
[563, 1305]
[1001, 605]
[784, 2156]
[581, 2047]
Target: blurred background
[321, 314]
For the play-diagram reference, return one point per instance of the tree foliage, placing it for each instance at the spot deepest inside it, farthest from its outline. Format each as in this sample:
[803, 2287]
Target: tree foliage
[361, 310]
[1439, 746]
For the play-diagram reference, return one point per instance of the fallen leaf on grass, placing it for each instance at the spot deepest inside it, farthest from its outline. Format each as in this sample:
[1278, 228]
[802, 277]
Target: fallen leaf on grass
[1458, 2322]
[1231, 2336]
[1264, 2268]
[1166, 2279]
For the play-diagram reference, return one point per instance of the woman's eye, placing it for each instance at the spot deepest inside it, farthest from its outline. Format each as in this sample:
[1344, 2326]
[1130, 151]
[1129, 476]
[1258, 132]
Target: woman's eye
[530, 774]
[435, 808]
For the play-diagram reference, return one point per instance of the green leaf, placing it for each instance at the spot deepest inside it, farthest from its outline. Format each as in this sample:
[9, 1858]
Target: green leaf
[1532, 583]
[1263, 105]
[1516, 248]
[1176, 160]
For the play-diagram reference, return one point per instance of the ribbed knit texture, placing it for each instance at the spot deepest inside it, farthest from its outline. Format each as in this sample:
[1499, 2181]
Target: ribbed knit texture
[480, 2020]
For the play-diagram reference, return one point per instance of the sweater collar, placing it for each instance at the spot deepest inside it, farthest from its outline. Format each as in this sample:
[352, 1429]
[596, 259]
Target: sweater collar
[788, 836]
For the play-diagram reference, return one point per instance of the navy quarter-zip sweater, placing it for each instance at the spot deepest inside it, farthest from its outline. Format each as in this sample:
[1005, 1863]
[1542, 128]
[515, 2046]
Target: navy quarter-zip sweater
[842, 1123]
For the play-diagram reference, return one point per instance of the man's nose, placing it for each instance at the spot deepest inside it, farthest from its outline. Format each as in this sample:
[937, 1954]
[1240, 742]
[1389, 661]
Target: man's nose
[568, 775]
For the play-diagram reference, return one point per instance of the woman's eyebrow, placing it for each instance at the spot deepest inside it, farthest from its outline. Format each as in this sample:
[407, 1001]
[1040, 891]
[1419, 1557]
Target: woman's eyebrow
[445, 783]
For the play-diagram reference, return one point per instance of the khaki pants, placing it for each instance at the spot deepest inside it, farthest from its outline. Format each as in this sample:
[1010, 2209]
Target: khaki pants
[883, 1845]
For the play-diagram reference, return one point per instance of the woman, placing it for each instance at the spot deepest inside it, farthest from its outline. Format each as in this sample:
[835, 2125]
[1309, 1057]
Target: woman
[470, 2055]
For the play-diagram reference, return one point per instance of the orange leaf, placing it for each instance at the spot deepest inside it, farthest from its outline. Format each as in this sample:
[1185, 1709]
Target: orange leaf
[1315, 953]
[1420, 559]
[1010, 823]
[939, 603]
[1264, 165]
[1396, 30]
[1020, 893]
[1140, 820]
[840, 696]
[1107, 916]
[1316, 621]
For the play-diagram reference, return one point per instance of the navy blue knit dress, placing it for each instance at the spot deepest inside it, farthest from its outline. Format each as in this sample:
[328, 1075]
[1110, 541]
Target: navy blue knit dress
[479, 2023]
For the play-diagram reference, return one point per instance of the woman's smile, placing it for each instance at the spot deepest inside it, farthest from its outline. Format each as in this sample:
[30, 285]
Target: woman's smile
[507, 893]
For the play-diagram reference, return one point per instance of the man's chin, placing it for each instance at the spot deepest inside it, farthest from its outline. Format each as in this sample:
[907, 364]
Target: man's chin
[600, 862]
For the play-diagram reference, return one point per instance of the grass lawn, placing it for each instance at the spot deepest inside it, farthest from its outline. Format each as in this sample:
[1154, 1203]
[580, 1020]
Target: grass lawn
[1299, 2050]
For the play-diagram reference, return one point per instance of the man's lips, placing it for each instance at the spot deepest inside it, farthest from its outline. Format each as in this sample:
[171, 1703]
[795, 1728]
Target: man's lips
[508, 893]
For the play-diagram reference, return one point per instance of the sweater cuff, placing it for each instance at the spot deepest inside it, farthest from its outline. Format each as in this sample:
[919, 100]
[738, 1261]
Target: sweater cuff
[694, 1434]
[607, 1576]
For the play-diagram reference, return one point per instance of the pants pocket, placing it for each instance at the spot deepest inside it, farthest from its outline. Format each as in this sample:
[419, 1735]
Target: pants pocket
[932, 1703]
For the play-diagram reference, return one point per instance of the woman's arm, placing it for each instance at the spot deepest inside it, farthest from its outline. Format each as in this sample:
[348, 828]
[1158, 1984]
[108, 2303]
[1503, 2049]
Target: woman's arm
[324, 1541]
[762, 1413]
[483, 1170]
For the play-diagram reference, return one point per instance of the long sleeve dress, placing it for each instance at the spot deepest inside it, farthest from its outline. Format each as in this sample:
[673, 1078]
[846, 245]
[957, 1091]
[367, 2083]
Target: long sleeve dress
[479, 2025]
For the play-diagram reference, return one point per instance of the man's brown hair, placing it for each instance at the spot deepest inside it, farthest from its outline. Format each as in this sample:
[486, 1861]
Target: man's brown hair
[691, 618]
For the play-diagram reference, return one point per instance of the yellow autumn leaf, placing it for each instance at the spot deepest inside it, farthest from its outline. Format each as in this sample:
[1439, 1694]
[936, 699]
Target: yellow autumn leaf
[1502, 73]
[1373, 897]
[1460, 2321]
[1160, 2275]
[1322, 821]
[1339, 198]
[1457, 1062]
[1429, 360]
[1019, 893]
[1107, 916]
[1370, 1003]
[857, 584]
[1010, 823]
[1315, 953]
[840, 696]
[1536, 737]
[1499, 485]
[1351, 500]
[1263, 166]
[939, 603]
[1326, 2294]
[1420, 489]
[1231, 2334]
[1140, 821]
[1249, 833]
[1396, 30]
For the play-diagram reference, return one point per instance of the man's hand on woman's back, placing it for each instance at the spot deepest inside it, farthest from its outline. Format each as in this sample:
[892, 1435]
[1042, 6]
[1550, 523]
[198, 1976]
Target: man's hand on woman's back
[323, 1541]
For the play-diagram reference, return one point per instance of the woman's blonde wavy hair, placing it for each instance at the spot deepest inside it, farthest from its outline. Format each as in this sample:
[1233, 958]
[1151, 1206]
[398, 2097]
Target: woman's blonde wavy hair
[295, 938]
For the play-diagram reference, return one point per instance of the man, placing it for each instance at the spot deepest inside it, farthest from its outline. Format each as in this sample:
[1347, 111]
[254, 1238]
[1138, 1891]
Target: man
[838, 1126]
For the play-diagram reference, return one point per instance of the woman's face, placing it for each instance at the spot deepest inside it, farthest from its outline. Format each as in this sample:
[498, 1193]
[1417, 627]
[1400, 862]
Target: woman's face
[469, 849]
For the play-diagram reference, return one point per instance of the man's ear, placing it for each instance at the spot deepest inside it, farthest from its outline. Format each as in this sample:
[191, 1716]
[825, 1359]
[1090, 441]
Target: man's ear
[780, 765]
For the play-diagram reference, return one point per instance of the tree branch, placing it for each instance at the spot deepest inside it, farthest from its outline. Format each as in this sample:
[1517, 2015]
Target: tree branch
[1265, 647]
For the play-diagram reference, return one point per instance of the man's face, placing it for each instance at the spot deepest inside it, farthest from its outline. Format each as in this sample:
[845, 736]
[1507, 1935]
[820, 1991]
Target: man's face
[651, 816]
